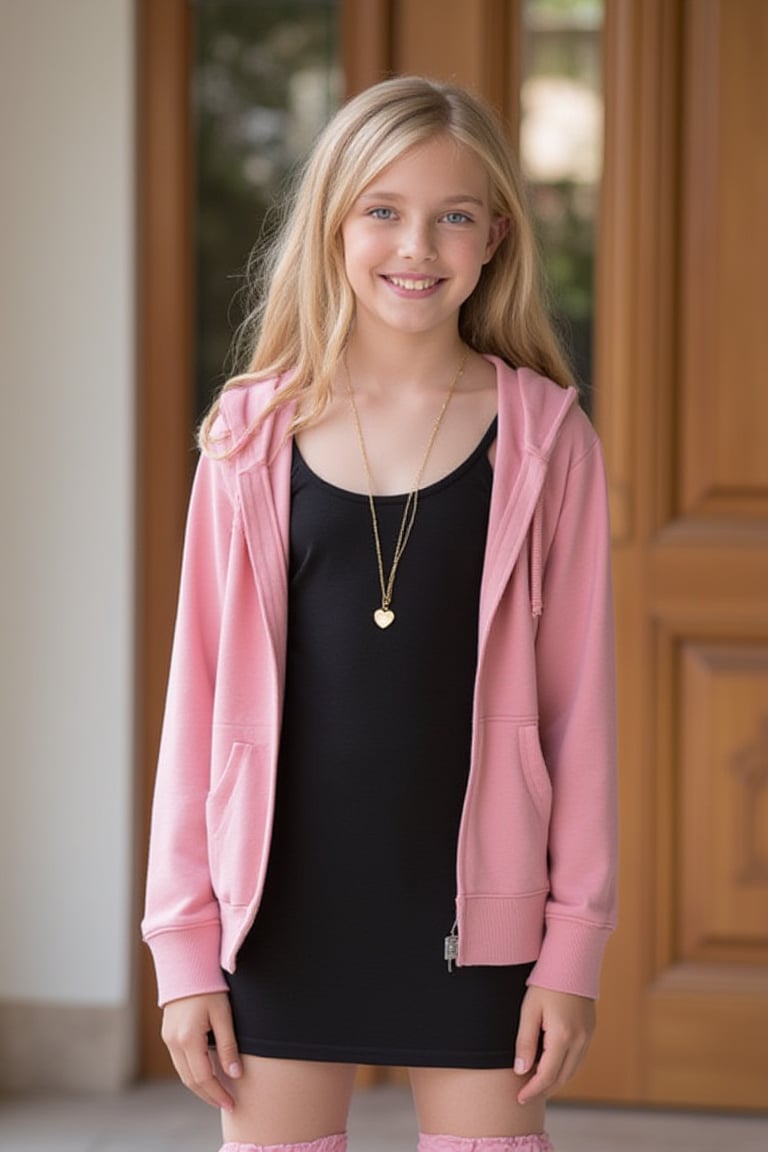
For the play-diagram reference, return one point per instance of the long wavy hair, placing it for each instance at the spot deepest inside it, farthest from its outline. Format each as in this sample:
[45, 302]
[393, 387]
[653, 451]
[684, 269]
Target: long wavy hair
[303, 307]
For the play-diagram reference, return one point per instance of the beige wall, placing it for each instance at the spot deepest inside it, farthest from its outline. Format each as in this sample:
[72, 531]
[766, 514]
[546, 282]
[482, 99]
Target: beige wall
[66, 518]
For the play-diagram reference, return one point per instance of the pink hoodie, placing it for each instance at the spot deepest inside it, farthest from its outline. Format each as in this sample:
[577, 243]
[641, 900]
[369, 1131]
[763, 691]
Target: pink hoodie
[536, 861]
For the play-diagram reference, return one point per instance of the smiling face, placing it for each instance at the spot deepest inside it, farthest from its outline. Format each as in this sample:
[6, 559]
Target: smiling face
[417, 237]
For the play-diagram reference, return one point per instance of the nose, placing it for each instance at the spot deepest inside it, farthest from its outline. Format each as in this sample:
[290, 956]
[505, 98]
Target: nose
[417, 241]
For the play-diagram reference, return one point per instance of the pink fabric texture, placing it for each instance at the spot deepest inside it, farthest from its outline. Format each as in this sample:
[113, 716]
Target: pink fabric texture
[337, 1143]
[536, 1142]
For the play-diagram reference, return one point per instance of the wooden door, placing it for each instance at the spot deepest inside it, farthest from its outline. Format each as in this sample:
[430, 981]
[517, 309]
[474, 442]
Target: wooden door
[683, 409]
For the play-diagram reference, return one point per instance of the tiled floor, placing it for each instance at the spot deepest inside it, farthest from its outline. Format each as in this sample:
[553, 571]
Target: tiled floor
[165, 1118]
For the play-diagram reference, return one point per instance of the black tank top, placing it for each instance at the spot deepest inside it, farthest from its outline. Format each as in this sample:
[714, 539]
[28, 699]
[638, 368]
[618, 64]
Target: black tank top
[345, 959]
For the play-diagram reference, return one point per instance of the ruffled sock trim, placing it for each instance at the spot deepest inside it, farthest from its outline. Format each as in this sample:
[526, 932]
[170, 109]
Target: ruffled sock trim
[337, 1143]
[535, 1142]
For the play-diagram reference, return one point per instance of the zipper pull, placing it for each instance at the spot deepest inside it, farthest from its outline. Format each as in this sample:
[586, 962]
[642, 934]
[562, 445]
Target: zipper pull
[451, 946]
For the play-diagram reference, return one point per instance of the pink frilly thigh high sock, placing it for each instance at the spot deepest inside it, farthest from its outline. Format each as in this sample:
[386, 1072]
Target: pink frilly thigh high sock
[537, 1142]
[337, 1143]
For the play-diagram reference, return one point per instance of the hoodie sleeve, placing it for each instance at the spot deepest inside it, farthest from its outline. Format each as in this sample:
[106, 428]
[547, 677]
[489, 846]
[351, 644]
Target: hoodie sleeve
[181, 923]
[576, 686]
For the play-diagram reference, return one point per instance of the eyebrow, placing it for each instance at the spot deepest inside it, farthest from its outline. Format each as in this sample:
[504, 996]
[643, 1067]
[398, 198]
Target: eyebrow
[382, 194]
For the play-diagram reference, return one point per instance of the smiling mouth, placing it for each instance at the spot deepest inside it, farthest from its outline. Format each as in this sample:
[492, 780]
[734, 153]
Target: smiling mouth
[409, 285]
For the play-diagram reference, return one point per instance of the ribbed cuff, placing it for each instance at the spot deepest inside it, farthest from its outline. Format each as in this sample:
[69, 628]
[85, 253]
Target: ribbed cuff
[571, 957]
[187, 962]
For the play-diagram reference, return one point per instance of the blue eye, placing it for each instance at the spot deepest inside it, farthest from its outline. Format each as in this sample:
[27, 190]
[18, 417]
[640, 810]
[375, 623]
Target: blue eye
[457, 218]
[381, 213]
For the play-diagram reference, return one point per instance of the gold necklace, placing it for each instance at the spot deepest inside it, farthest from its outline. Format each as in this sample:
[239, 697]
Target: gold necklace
[384, 616]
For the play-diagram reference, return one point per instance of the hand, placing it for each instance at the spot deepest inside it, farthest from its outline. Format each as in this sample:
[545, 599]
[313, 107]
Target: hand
[567, 1022]
[186, 1024]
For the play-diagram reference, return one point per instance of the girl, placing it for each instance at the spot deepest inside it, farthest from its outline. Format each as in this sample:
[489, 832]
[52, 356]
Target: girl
[383, 828]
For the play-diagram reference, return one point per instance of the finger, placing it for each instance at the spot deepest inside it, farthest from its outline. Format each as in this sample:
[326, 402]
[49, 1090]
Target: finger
[191, 1059]
[547, 1074]
[573, 1059]
[226, 1043]
[180, 1064]
[187, 1077]
[204, 1083]
[527, 1042]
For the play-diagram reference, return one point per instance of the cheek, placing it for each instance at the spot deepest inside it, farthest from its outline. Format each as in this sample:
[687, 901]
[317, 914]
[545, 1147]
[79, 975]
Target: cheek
[471, 256]
[361, 248]
[468, 250]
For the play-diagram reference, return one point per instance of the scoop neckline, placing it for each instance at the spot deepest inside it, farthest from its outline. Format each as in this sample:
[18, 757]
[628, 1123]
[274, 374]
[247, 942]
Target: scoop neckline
[398, 497]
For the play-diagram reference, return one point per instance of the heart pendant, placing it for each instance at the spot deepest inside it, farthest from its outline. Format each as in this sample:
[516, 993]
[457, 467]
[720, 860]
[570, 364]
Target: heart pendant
[383, 617]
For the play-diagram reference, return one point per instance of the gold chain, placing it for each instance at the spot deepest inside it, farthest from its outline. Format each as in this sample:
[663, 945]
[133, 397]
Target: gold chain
[384, 615]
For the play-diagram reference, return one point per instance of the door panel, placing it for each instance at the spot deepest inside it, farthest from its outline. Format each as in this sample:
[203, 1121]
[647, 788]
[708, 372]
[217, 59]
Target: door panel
[723, 450]
[724, 833]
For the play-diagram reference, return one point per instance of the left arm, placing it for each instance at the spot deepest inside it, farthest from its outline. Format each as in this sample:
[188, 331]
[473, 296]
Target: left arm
[576, 674]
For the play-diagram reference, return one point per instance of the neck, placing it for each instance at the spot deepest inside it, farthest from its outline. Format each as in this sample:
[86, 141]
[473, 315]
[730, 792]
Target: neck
[411, 362]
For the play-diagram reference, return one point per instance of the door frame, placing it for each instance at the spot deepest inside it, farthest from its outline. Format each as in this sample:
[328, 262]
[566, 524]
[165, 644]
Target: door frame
[163, 410]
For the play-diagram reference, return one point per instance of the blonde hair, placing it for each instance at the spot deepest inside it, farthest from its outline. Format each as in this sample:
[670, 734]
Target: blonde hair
[305, 307]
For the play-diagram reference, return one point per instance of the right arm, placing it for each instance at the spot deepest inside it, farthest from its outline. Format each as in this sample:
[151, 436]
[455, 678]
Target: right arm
[181, 924]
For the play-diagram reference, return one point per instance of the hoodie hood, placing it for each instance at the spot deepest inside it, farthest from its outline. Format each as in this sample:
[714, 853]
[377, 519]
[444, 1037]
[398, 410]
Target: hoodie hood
[528, 431]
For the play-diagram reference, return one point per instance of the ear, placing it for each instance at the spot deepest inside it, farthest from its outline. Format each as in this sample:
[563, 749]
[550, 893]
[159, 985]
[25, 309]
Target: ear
[499, 229]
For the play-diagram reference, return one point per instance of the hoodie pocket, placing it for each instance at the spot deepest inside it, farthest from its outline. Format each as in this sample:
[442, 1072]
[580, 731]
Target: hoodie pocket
[535, 770]
[506, 817]
[236, 813]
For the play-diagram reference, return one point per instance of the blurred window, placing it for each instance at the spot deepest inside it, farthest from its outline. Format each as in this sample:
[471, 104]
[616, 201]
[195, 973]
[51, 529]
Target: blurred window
[266, 78]
[561, 139]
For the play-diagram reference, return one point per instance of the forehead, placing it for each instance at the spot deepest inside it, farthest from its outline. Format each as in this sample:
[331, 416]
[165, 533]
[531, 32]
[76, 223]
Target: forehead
[440, 167]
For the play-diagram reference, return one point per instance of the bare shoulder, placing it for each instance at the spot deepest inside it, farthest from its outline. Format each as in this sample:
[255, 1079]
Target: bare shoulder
[479, 376]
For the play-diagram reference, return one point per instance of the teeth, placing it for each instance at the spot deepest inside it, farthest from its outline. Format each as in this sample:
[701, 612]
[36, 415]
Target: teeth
[412, 285]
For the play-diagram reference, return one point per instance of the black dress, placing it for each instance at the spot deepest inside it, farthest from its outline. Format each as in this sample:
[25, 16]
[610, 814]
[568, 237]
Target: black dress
[345, 959]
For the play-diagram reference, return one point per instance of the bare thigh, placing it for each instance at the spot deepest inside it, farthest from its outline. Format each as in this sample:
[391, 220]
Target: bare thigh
[288, 1101]
[473, 1102]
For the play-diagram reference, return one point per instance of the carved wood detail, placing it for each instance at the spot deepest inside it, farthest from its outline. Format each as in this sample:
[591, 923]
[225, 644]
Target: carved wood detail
[750, 766]
[715, 781]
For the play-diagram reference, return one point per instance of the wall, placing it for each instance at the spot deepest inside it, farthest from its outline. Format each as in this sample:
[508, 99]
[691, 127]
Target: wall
[66, 563]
